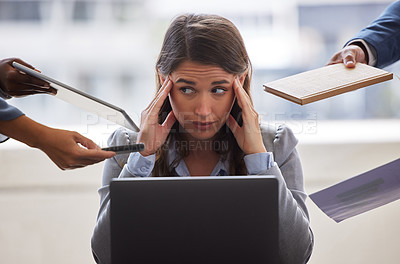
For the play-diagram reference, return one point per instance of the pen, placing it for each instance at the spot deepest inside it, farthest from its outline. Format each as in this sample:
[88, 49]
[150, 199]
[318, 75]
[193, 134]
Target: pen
[126, 148]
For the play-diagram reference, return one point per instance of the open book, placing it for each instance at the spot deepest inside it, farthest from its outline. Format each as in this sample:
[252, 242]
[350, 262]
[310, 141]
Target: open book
[328, 81]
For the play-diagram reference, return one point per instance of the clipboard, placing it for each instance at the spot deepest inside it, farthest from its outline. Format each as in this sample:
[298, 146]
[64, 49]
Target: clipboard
[83, 100]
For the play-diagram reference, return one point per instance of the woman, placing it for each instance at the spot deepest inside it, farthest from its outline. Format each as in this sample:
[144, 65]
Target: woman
[202, 122]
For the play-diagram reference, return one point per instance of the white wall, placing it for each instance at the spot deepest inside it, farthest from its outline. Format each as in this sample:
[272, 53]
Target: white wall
[47, 215]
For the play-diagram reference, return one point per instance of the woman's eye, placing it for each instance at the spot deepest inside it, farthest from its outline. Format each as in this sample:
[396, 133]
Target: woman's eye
[218, 90]
[186, 90]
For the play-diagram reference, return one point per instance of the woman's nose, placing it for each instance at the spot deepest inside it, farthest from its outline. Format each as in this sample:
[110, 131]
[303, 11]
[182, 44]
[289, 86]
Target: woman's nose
[203, 107]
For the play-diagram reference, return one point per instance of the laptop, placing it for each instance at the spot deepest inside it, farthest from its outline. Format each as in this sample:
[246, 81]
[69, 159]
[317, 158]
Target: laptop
[181, 220]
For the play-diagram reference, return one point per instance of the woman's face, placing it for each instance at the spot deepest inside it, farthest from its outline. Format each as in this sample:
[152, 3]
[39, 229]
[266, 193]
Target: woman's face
[201, 98]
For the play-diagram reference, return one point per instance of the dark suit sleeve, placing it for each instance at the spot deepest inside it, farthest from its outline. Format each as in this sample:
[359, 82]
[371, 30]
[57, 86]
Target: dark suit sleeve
[384, 35]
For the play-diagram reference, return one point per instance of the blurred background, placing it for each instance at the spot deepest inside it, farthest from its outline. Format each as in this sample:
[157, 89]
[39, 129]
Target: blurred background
[108, 48]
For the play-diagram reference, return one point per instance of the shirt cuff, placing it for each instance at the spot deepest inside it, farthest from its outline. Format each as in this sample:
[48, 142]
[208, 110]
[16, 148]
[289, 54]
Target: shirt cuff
[140, 166]
[370, 50]
[259, 162]
[3, 138]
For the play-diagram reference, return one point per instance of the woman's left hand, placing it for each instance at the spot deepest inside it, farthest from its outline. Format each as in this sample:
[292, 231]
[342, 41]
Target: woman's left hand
[248, 136]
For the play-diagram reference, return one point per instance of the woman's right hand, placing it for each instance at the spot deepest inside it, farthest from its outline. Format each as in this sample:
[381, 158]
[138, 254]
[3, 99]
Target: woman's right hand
[152, 134]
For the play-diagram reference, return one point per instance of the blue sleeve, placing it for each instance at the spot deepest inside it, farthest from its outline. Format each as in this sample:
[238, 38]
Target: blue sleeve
[384, 36]
[258, 162]
[138, 165]
[8, 112]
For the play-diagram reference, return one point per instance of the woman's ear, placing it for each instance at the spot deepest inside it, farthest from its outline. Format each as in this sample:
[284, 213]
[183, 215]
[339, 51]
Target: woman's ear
[242, 77]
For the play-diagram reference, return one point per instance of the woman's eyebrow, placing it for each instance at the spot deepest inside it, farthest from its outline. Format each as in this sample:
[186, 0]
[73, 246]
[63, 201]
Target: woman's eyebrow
[220, 82]
[181, 80]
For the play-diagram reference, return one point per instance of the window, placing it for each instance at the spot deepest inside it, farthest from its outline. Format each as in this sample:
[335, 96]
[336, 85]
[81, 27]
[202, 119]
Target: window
[20, 11]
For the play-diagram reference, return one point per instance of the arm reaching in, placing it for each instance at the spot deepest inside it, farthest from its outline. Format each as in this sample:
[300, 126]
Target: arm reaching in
[62, 146]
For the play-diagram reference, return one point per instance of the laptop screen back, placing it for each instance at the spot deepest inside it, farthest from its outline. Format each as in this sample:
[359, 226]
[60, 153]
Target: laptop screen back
[194, 220]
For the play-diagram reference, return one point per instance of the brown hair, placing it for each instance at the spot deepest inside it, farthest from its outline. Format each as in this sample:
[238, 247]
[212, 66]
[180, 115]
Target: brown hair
[210, 40]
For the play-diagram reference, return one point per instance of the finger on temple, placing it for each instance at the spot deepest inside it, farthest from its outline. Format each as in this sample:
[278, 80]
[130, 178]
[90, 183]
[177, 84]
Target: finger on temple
[243, 98]
[160, 91]
[161, 97]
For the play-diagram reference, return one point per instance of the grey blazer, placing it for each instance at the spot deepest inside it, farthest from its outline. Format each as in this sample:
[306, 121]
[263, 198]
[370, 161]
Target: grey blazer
[296, 238]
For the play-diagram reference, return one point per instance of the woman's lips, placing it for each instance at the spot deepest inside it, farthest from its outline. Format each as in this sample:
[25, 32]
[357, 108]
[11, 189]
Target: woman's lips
[202, 125]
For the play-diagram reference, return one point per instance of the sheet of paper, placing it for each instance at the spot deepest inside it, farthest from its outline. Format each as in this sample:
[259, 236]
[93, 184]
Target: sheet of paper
[361, 193]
